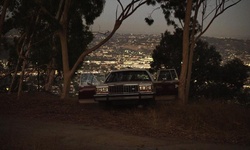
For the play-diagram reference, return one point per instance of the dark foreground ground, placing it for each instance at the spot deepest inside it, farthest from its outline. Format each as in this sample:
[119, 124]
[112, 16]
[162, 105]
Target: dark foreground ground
[42, 121]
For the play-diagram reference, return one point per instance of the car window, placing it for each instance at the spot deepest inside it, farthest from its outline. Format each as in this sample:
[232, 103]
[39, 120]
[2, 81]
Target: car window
[85, 79]
[164, 75]
[174, 75]
[99, 78]
[167, 75]
[91, 79]
[126, 76]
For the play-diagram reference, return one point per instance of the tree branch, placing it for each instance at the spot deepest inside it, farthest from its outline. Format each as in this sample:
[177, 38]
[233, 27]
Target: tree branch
[121, 5]
[59, 11]
[123, 16]
[217, 13]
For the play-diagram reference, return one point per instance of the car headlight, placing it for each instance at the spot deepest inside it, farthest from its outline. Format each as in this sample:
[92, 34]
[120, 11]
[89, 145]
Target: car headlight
[145, 88]
[102, 90]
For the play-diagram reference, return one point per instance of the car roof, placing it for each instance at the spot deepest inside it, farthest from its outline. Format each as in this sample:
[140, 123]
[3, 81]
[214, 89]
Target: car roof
[165, 69]
[129, 69]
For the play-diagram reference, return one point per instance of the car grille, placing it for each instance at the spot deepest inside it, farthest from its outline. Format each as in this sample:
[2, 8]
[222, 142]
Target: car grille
[123, 89]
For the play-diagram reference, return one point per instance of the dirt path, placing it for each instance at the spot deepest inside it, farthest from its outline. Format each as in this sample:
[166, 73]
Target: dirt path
[16, 133]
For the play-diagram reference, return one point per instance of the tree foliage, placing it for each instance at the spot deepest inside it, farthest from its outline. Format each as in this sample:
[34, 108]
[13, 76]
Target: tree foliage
[38, 23]
[234, 73]
[79, 34]
[168, 52]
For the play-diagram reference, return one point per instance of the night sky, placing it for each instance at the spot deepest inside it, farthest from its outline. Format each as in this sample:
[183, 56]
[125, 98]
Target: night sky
[234, 22]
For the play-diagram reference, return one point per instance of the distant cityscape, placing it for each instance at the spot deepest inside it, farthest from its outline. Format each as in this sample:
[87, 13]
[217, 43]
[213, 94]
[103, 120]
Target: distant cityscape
[134, 50]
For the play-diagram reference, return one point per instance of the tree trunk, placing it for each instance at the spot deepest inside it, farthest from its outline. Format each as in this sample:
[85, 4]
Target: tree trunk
[65, 60]
[182, 95]
[50, 75]
[66, 85]
[189, 73]
[64, 47]
[192, 46]
[14, 76]
[20, 46]
[20, 85]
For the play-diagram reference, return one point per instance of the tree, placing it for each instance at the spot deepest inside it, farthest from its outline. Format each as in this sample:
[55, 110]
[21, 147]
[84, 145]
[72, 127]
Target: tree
[188, 12]
[67, 71]
[35, 22]
[206, 61]
[63, 19]
[206, 68]
[230, 80]
[168, 52]
[234, 73]
[66, 10]
[27, 29]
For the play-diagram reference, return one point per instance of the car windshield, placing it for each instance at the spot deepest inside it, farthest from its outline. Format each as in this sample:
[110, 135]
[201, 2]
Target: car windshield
[167, 75]
[91, 79]
[126, 76]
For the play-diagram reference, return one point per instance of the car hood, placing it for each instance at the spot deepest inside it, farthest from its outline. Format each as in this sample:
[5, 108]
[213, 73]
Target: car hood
[127, 83]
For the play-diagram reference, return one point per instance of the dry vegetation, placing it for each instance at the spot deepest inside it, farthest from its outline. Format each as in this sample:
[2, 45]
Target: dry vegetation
[208, 121]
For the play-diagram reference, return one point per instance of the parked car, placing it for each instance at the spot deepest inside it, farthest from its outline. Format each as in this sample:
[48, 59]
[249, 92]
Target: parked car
[87, 85]
[130, 85]
[166, 82]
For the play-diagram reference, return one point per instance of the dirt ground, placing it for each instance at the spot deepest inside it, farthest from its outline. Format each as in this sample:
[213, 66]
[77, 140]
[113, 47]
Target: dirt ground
[20, 133]
[40, 123]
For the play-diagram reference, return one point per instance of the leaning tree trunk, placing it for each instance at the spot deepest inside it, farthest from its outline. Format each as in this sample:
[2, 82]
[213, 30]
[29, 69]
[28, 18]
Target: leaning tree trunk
[14, 76]
[25, 62]
[20, 85]
[20, 52]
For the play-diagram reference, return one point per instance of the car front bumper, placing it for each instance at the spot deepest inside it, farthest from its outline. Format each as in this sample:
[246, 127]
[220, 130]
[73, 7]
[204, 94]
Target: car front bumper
[124, 97]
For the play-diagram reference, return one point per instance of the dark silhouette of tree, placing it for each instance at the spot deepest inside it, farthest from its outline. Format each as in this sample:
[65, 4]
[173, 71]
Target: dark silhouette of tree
[168, 52]
[234, 73]
[206, 68]
[206, 60]
[230, 81]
